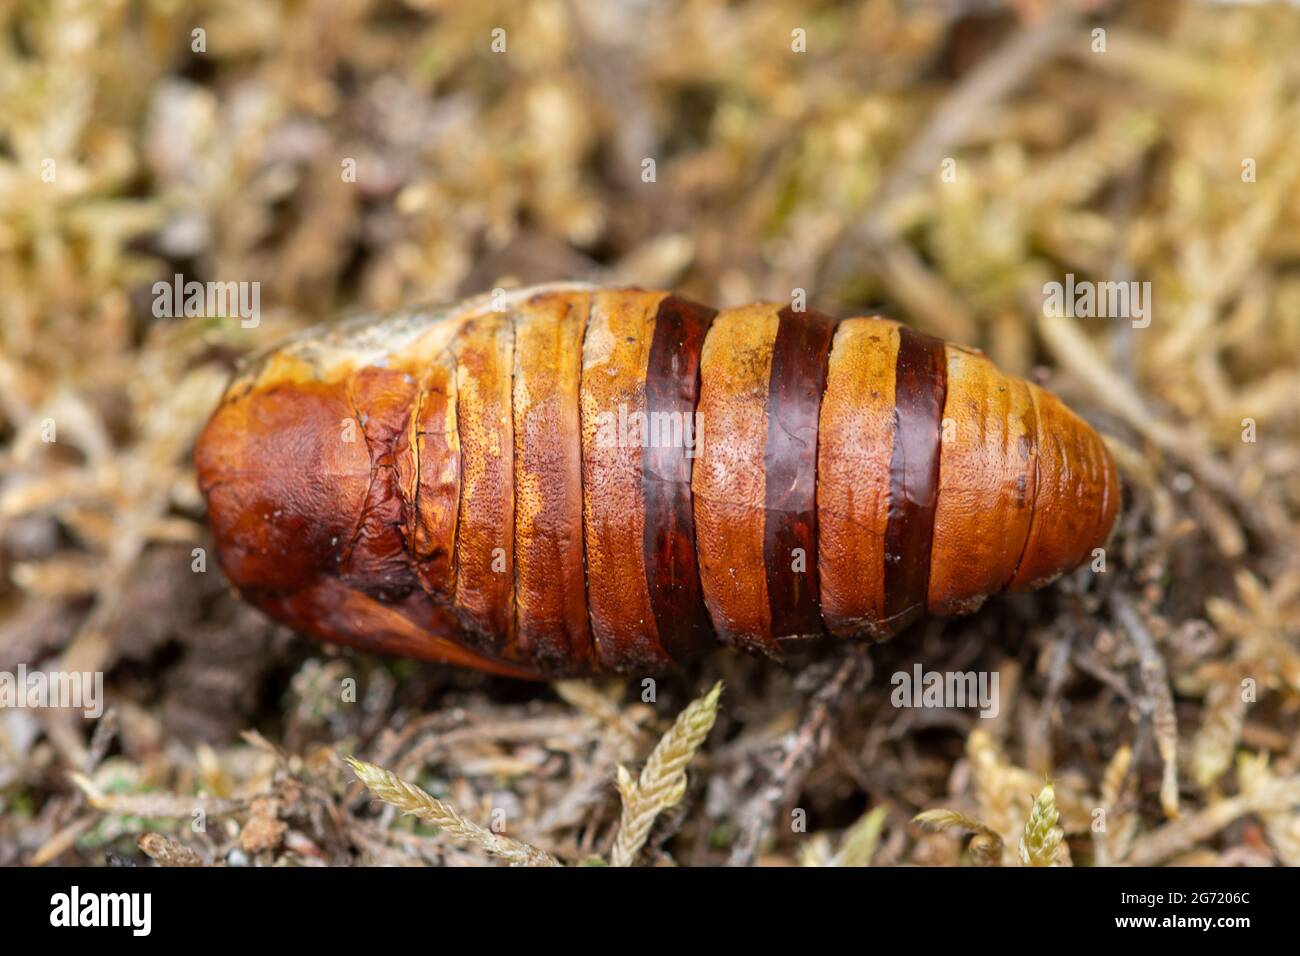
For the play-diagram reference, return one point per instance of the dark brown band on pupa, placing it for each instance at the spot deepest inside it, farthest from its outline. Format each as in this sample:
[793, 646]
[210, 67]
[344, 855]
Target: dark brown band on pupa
[920, 387]
[798, 379]
[672, 387]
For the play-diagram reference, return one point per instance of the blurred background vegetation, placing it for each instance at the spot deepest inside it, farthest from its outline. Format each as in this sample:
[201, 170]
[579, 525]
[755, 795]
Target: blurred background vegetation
[1164, 148]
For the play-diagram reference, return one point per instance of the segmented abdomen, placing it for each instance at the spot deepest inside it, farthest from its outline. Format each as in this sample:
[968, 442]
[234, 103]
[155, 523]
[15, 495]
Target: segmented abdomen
[564, 480]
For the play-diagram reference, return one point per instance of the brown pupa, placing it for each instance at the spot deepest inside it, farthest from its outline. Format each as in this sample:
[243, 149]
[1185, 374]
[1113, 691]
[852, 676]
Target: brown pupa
[567, 480]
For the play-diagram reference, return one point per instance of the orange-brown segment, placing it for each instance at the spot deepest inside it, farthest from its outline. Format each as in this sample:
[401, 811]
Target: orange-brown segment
[987, 476]
[431, 479]
[856, 440]
[614, 426]
[728, 481]
[485, 536]
[550, 585]
[1074, 505]
[374, 557]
